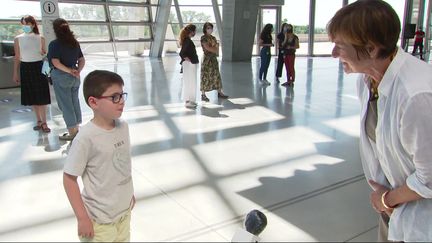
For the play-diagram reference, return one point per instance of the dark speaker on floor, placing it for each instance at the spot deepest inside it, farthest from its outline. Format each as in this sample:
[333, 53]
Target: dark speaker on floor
[410, 30]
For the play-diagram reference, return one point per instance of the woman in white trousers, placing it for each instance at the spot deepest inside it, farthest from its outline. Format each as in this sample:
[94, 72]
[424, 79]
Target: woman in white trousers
[190, 65]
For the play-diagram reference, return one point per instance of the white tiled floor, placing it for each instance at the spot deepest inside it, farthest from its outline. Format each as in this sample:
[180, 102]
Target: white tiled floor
[289, 152]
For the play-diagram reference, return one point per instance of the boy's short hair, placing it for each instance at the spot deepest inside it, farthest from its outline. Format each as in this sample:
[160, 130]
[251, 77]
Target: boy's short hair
[98, 81]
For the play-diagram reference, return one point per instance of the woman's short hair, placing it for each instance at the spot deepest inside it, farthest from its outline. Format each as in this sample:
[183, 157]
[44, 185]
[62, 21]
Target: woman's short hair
[365, 22]
[206, 25]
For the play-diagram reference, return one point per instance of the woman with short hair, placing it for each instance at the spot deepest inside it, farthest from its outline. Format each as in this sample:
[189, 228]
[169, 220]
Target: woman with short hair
[396, 127]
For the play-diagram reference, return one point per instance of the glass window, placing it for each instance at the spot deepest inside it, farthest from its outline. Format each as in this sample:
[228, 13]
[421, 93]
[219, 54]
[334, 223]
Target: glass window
[130, 1]
[124, 13]
[85, 12]
[197, 14]
[195, 2]
[324, 12]
[128, 32]
[126, 49]
[19, 9]
[91, 32]
[173, 32]
[297, 13]
[173, 16]
[9, 31]
[171, 47]
[154, 11]
[398, 6]
[99, 49]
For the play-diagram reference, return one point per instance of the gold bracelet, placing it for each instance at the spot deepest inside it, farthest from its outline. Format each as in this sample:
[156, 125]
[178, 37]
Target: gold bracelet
[383, 201]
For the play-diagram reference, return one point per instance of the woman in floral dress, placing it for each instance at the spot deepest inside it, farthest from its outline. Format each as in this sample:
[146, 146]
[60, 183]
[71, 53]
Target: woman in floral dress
[210, 75]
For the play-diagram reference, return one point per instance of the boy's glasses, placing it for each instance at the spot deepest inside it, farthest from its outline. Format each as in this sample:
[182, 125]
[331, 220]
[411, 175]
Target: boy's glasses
[115, 98]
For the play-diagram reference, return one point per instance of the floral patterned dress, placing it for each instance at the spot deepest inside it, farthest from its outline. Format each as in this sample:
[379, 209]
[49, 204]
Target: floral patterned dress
[210, 75]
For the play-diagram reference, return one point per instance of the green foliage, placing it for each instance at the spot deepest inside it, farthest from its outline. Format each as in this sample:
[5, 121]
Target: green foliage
[9, 31]
[304, 29]
[83, 12]
[190, 16]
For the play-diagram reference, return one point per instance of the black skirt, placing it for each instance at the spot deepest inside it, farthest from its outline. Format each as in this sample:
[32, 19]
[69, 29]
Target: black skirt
[34, 84]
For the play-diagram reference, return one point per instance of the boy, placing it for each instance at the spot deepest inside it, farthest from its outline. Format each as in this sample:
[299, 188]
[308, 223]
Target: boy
[100, 153]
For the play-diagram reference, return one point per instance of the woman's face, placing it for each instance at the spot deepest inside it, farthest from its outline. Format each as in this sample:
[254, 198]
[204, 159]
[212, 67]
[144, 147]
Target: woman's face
[209, 30]
[27, 27]
[347, 54]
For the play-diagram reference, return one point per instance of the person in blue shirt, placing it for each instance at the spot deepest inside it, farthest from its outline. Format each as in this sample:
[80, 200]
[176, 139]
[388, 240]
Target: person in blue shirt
[66, 57]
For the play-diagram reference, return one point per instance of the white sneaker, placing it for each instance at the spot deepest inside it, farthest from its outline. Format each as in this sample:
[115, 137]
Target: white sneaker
[190, 104]
[265, 82]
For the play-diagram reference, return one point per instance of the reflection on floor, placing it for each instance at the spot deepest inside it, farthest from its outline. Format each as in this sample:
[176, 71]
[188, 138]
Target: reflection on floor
[290, 152]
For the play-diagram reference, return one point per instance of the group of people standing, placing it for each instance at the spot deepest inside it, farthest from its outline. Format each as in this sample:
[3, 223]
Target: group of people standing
[66, 58]
[210, 75]
[287, 44]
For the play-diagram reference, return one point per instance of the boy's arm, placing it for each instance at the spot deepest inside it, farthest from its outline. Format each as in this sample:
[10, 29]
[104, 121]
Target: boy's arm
[85, 225]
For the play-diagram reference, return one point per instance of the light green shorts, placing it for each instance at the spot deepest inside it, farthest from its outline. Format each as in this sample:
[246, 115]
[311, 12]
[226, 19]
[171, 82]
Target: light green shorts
[115, 232]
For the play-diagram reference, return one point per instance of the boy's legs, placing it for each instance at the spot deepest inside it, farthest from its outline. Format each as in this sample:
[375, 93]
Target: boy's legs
[123, 228]
[115, 232]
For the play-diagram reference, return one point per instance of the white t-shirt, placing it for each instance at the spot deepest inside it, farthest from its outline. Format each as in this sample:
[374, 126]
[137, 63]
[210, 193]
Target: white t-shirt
[30, 47]
[102, 157]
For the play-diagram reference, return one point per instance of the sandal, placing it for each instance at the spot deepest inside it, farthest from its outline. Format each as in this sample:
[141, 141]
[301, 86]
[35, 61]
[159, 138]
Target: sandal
[44, 127]
[222, 95]
[38, 126]
[67, 137]
[204, 98]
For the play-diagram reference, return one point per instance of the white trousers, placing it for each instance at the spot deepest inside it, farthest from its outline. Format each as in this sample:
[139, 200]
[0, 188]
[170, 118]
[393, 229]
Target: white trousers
[189, 81]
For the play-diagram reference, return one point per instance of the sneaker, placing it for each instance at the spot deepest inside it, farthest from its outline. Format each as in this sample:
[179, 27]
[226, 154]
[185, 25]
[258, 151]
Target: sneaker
[67, 137]
[204, 98]
[285, 84]
[190, 104]
[265, 82]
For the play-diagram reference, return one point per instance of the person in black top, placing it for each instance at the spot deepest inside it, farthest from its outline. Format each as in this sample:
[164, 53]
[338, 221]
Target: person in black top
[189, 61]
[290, 44]
[281, 57]
[266, 41]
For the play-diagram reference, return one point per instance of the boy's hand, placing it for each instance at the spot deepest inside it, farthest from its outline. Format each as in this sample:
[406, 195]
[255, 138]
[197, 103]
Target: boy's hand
[85, 228]
[133, 201]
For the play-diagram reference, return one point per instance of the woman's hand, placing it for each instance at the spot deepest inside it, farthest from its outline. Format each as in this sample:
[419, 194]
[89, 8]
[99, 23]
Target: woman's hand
[85, 228]
[16, 79]
[75, 73]
[375, 198]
